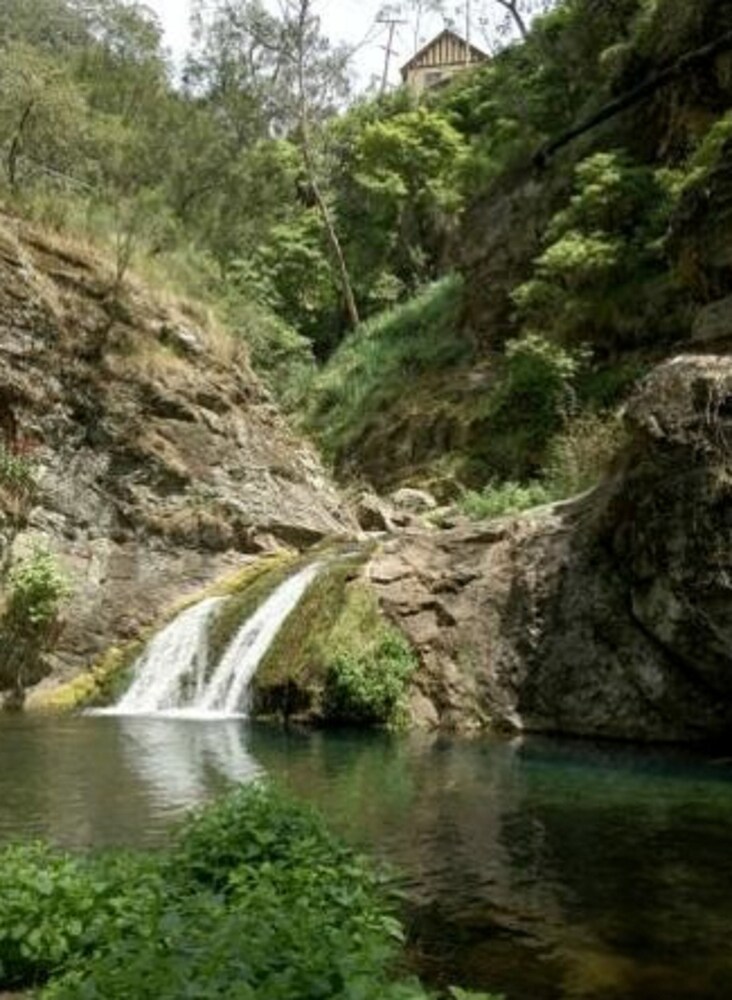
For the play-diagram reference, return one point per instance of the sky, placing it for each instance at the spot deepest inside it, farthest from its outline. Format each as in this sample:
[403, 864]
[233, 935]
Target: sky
[349, 21]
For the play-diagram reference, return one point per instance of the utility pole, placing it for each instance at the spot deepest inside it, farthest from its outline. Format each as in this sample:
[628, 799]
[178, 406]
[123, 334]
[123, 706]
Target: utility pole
[468, 31]
[393, 23]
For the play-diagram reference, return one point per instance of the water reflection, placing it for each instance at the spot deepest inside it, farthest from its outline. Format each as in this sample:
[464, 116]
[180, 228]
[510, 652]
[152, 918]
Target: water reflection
[84, 782]
[182, 762]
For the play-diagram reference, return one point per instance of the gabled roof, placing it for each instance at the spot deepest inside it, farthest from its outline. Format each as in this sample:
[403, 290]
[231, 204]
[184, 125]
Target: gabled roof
[426, 55]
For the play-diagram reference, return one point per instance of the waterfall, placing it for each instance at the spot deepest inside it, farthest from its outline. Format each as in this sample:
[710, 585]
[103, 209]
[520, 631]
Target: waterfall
[171, 673]
[230, 681]
[174, 675]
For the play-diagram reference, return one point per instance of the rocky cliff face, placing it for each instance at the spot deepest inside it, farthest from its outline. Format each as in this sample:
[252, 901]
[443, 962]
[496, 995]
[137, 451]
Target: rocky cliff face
[160, 458]
[607, 616]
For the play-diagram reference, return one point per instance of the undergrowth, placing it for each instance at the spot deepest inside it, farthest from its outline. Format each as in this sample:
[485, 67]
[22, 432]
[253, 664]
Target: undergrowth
[577, 459]
[375, 365]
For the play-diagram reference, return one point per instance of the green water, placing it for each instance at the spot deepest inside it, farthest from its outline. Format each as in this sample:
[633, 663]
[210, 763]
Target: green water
[536, 868]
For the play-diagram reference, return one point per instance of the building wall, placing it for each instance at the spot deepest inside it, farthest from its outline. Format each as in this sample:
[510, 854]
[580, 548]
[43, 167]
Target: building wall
[439, 61]
[425, 77]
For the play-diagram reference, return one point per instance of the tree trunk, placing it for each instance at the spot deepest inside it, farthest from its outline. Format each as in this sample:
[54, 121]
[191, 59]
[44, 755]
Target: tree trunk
[310, 169]
[15, 145]
[512, 7]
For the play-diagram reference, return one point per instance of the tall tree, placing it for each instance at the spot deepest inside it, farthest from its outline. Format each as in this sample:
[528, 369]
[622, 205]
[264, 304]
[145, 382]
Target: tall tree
[305, 48]
[42, 112]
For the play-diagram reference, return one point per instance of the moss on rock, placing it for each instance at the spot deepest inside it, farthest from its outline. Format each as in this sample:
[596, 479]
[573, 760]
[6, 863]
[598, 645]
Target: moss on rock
[337, 659]
[102, 685]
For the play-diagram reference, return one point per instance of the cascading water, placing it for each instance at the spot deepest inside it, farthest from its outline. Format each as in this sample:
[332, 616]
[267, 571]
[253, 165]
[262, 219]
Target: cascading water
[174, 676]
[171, 673]
[226, 691]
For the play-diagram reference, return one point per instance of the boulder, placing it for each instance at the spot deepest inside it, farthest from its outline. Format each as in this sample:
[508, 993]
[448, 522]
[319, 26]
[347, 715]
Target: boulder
[372, 514]
[607, 616]
[713, 322]
[413, 501]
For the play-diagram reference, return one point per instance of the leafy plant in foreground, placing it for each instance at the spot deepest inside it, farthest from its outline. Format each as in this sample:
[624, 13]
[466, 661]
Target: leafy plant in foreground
[56, 909]
[255, 901]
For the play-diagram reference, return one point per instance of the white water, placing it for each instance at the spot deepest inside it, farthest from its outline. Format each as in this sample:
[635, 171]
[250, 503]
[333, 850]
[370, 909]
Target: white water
[173, 677]
[171, 673]
[227, 689]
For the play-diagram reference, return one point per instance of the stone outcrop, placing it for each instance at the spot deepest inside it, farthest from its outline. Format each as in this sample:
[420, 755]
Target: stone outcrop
[610, 615]
[159, 456]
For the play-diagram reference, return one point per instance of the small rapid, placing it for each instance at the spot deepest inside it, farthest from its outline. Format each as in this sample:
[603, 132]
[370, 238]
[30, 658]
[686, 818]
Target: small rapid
[175, 677]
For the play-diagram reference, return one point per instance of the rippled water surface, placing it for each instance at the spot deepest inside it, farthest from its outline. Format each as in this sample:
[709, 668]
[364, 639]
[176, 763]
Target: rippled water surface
[540, 869]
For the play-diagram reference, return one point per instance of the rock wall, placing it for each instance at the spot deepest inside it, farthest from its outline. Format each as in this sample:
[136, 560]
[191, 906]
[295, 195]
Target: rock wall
[161, 460]
[610, 615]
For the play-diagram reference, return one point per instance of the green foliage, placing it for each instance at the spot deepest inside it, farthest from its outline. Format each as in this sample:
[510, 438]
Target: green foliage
[395, 192]
[503, 499]
[369, 665]
[602, 277]
[17, 474]
[37, 589]
[336, 658]
[293, 275]
[605, 386]
[56, 909]
[42, 112]
[582, 452]
[576, 460]
[539, 375]
[534, 392]
[370, 369]
[256, 899]
[710, 152]
[531, 92]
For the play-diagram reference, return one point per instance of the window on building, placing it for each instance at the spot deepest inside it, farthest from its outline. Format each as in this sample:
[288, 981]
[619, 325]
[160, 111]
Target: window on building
[433, 78]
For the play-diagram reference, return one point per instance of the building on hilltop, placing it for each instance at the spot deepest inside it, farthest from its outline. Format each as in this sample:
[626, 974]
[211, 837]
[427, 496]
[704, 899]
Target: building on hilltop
[440, 60]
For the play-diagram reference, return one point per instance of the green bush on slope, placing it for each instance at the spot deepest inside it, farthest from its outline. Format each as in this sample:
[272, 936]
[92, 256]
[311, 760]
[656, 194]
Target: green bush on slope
[373, 367]
[336, 658]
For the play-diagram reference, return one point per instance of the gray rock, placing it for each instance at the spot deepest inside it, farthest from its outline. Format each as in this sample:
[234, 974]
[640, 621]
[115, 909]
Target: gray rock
[607, 616]
[183, 339]
[713, 322]
[156, 473]
[413, 501]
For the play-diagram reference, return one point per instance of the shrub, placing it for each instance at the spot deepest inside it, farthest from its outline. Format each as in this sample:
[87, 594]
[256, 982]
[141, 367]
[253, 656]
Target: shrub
[370, 686]
[540, 376]
[368, 664]
[37, 590]
[577, 459]
[581, 453]
[602, 276]
[252, 828]
[256, 901]
[503, 499]
[530, 401]
[17, 474]
[55, 909]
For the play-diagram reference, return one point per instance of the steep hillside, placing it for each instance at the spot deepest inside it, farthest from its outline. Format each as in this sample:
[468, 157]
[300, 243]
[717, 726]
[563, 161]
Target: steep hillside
[158, 459]
[581, 267]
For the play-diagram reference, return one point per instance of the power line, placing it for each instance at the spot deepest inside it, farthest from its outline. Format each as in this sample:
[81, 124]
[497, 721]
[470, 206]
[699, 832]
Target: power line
[393, 23]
